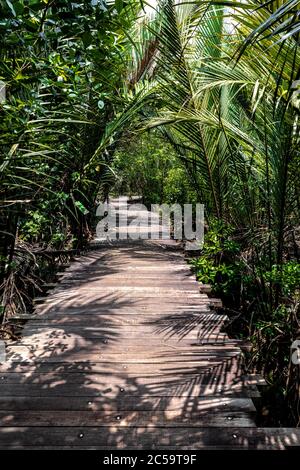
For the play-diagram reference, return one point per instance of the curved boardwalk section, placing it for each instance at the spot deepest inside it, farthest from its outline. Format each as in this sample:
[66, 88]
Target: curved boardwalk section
[126, 353]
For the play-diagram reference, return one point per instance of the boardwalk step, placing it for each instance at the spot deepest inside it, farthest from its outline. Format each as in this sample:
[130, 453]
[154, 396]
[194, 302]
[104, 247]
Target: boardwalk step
[205, 288]
[123, 418]
[128, 403]
[111, 391]
[49, 285]
[159, 437]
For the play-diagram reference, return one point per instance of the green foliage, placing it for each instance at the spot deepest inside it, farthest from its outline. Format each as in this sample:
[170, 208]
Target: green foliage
[178, 188]
[218, 264]
[287, 275]
[63, 65]
[149, 167]
[35, 225]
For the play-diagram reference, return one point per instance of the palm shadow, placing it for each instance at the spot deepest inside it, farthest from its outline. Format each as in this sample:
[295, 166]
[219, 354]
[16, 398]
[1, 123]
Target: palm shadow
[85, 375]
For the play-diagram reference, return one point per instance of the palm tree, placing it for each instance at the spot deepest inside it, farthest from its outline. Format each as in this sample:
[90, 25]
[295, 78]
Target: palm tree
[235, 122]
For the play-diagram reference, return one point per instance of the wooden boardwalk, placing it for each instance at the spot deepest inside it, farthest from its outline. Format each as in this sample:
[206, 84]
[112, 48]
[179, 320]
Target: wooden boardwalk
[127, 353]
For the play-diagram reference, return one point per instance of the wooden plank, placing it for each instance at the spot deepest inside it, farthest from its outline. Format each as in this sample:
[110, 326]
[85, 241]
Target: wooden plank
[150, 419]
[138, 319]
[128, 403]
[200, 375]
[162, 326]
[91, 316]
[124, 309]
[120, 282]
[140, 447]
[65, 349]
[130, 269]
[92, 352]
[214, 448]
[179, 321]
[184, 367]
[136, 297]
[140, 291]
[120, 385]
[205, 288]
[165, 274]
[50, 285]
[98, 303]
[66, 339]
[159, 437]
[130, 358]
[193, 338]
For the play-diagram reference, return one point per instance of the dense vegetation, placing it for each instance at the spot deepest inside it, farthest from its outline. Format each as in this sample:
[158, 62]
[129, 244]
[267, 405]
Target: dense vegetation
[180, 102]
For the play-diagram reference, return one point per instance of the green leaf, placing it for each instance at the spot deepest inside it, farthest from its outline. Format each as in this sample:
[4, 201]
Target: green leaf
[119, 4]
[87, 38]
[10, 5]
[81, 207]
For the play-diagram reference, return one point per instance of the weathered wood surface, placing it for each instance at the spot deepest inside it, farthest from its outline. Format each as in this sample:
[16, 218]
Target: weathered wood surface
[138, 437]
[127, 351]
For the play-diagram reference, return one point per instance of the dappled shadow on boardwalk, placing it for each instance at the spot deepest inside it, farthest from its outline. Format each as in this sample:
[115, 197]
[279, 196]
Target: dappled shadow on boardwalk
[125, 415]
[182, 324]
[109, 370]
